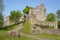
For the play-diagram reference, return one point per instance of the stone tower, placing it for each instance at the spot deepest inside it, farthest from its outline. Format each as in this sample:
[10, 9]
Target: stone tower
[41, 13]
[37, 13]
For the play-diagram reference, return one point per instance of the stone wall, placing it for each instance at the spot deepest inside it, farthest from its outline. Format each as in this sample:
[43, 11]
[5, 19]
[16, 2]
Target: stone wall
[47, 31]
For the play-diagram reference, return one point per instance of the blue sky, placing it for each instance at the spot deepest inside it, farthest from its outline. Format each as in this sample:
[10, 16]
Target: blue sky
[51, 5]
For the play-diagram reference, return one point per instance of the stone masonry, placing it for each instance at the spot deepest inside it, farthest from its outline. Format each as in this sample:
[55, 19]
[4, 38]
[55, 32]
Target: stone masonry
[37, 15]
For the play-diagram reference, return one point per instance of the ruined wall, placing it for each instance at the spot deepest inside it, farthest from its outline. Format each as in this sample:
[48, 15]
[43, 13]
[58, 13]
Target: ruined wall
[38, 16]
[38, 13]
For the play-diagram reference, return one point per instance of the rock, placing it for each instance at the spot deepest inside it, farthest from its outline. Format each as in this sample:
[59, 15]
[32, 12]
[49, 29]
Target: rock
[15, 34]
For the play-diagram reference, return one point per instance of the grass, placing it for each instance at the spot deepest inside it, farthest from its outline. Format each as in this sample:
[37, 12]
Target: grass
[50, 36]
[4, 36]
[12, 38]
[26, 27]
[51, 27]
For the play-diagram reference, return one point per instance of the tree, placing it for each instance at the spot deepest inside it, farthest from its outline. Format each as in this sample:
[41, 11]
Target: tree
[58, 14]
[58, 17]
[26, 9]
[15, 16]
[1, 6]
[50, 17]
[1, 20]
[1, 15]
[59, 24]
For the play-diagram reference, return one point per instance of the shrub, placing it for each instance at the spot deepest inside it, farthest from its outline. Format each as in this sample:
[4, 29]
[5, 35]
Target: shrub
[42, 26]
[51, 27]
[59, 24]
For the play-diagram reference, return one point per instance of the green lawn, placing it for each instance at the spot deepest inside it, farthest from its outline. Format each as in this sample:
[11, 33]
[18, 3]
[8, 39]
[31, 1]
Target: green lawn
[4, 36]
[26, 27]
[50, 36]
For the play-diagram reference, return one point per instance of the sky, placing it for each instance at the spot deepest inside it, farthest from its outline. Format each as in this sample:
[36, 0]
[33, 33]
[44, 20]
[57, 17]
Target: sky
[51, 5]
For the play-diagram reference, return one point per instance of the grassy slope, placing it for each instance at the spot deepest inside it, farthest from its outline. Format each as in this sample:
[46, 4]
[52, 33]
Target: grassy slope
[26, 27]
[4, 36]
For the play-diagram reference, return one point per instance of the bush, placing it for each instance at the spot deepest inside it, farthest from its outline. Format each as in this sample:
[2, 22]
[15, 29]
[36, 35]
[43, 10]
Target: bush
[59, 24]
[51, 27]
[46, 27]
[42, 26]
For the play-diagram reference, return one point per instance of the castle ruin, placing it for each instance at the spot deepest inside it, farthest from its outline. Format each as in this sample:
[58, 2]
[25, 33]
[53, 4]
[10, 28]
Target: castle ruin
[38, 16]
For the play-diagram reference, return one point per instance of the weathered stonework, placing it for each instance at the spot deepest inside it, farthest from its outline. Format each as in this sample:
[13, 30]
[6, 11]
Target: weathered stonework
[38, 16]
[38, 13]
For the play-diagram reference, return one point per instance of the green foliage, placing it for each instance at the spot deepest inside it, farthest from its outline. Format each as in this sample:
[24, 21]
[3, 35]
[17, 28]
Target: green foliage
[59, 24]
[50, 17]
[46, 27]
[1, 15]
[1, 20]
[58, 14]
[42, 26]
[15, 16]
[1, 6]
[50, 27]
[26, 9]
[26, 28]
